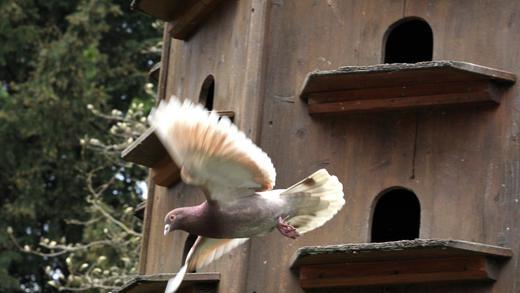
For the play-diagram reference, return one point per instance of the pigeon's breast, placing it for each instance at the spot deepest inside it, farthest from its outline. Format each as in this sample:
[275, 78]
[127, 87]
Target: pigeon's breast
[244, 217]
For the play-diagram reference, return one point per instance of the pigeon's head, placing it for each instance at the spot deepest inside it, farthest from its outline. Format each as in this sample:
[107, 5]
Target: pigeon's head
[171, 221]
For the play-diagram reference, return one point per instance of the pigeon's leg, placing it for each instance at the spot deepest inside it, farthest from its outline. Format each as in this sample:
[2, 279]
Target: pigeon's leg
[286, 229]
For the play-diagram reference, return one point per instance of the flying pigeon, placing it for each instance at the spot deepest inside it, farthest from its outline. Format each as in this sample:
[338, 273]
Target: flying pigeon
[237, 179]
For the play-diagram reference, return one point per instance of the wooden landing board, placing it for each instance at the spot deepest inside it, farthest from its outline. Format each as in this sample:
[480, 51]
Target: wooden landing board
[398, 262]
[193, 282]
[139, 210]
[191, 18]
[147, 150]
[400, 86]
[155, 71]
[184, 16]
[161, 9]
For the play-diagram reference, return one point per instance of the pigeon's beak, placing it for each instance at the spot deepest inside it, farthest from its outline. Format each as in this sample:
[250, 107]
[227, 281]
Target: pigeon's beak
[166, 229]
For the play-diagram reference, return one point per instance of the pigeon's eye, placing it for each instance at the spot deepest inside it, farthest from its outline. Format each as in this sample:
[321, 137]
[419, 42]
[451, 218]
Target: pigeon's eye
[172, 217]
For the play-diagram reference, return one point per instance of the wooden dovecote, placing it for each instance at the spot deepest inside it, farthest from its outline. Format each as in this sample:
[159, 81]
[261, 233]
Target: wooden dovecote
[460, 164]
[402, 86]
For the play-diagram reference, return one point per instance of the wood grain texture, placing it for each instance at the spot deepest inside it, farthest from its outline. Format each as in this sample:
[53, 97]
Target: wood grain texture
[431, 270]
[163, 10]
[185, 23]
[184, 16]
[149, 213]
[396, 251]
[402, 86]
[399, 262]
[155, 72]
[147, 220]
[165, 172]
[405, 103]
[400, 74]
[139, 210]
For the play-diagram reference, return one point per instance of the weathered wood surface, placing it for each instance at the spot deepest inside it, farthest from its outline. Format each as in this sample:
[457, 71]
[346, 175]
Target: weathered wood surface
[193, 282]
[397, 262]
[401, 86]
[161, 9]
[150, 202]
[139, 210]
[400, 74]
[484, 97]
[184, 16]
[155, 71]
[146, 150]
[165, 172]
[185, 23]
[395, 250]
[396, 272]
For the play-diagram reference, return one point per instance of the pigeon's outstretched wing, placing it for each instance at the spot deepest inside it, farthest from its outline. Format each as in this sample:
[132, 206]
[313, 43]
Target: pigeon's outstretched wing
[203, 251]
[210, 150]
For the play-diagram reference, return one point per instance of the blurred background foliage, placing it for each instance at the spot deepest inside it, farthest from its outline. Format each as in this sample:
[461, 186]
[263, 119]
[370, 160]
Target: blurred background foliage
[73, 93]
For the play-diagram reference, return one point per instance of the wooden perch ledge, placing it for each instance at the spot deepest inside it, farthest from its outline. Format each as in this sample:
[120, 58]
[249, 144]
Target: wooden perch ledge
[184, 17]
[398, 262]
[139, 210]
[193, 282]
[148, 151]
[402, 86]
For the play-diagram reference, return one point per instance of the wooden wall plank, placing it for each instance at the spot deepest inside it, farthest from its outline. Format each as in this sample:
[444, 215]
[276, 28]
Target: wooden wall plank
[404, 103]
[395, 272]
[146, 243]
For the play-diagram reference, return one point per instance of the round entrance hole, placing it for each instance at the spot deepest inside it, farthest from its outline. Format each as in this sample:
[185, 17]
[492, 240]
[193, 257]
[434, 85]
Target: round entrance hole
[396, 216]
[409, 40]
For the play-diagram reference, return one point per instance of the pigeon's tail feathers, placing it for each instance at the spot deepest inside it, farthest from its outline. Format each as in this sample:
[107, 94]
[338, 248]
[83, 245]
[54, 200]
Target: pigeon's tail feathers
[175, 282]
[314, 200]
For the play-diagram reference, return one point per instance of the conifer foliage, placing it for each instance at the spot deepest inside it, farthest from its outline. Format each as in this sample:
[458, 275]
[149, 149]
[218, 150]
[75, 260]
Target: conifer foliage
[66, 198]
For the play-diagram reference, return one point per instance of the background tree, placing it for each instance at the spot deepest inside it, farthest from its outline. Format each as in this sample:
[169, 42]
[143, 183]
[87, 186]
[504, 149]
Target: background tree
[108, 253]
[56, 58]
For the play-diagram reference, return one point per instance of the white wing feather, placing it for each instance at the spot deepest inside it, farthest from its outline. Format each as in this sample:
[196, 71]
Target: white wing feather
[204, 251]
[211, 151]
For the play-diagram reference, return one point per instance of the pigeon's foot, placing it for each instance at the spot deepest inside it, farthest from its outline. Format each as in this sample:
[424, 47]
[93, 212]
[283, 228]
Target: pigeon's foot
[287, 230]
